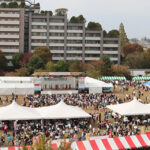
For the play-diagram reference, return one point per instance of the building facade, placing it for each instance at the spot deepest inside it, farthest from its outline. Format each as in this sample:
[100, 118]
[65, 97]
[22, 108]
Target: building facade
[23, 30]
[70, 41]
[11, 31]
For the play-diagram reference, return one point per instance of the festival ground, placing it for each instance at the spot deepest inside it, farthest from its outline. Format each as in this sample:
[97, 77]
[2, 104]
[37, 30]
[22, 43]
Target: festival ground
[91, 110]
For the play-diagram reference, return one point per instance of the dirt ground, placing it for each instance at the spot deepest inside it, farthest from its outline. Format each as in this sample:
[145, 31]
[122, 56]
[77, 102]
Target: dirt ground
[91, 110]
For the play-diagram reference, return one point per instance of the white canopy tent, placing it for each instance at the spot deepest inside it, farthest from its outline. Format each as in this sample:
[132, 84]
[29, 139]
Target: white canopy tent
[91, 82]
[132, 108]
[58, 111]
[62, 111]
[16, 88]
[16, 85]
[94, 85]
[18, 112]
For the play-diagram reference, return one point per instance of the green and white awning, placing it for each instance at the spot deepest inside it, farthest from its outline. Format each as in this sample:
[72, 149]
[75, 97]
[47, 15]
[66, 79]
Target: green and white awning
[112, 78]
[141, 78]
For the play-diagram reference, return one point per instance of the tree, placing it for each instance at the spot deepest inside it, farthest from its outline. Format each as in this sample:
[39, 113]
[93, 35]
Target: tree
[131, 48]
[44, 53]
[47, 12]
[13, 5]
[22, 5]
[22, 72]
[104, 33]
[133, 60]
[76, 66]
[94, 26]
[113, 34]
[3, 5]
[121, 70]
[62, 66]
[61, 11]
[16, 60]
[106, 60]
[25, 59]
[50, 67]
[3, 62]
[94, 69]
[123, 36]
[79, 19]
[35, 62]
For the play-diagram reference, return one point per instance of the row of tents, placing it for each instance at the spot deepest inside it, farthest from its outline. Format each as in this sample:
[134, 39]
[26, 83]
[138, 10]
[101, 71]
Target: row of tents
[122, 78]
[61, 110]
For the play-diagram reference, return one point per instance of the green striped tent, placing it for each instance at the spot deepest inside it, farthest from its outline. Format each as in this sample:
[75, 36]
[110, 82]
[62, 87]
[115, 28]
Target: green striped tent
[141, 78]
[112, 78]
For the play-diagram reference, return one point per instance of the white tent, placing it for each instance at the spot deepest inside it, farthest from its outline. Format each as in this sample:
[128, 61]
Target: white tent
[16, 85]
[95, 86]
[91, 82]
[62, 111]
[18, 112]
[58, 111]
[16, 88]
[130, 108]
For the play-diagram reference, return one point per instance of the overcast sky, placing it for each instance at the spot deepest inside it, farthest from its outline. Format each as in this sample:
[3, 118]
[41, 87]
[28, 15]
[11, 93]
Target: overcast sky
[135, 14]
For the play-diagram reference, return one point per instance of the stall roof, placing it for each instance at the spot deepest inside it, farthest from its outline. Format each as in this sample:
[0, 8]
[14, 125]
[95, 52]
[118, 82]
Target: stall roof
[58, 111]
[131, 108]
[117, 143]
[91, 82]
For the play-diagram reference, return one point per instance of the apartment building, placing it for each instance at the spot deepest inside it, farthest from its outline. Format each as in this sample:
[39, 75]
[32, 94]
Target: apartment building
[8, 1]
[70, 41]
[11, 31]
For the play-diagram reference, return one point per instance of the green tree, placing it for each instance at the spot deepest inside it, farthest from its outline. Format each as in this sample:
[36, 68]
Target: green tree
[44, 53]
[47, 12]
[94, 26]
[3, 61]
[106, 60]
[62, 66]
[79, 19]
[22, 5]
[104, 33]
[13, 5]
[3, 5]
[35, 62]
[61, 11]
[50, 67]
[113, 34]
[123, 36]
[16, 60]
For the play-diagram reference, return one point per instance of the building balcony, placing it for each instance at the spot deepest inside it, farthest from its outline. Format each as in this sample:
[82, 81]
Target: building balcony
[9, 15]
[110, 45]
[38, 44]
[10, 43]
[9, 29]
[10, 22]
[9, 36]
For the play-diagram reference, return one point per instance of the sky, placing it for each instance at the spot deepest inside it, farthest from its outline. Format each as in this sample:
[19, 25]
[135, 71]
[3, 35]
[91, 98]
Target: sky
[134, 14]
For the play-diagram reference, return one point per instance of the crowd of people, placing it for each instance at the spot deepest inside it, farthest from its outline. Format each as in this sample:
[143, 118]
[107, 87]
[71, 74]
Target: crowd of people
[103, 121]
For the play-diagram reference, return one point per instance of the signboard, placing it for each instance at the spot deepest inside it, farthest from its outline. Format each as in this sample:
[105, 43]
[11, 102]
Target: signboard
[37, 86]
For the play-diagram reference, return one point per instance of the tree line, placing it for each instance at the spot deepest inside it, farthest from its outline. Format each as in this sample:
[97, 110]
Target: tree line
[41, 60]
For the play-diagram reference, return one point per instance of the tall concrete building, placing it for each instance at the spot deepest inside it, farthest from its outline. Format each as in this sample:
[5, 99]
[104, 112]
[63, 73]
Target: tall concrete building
[22, 30]
[11, 31]
[70, 41]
